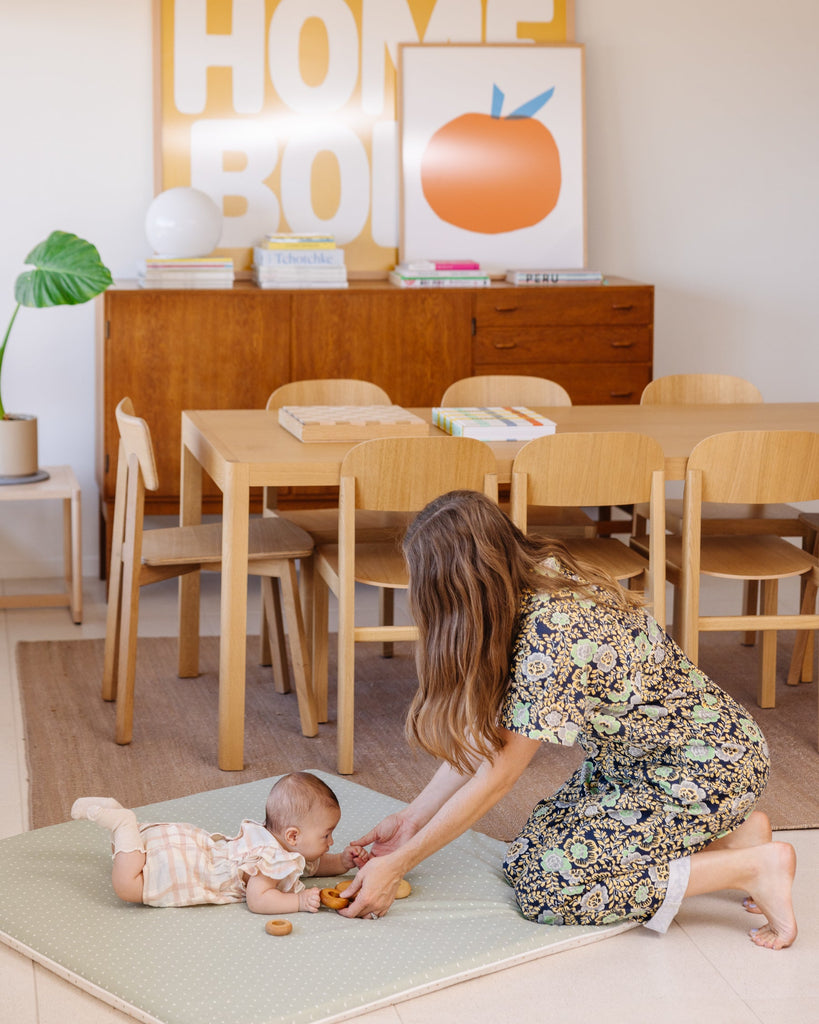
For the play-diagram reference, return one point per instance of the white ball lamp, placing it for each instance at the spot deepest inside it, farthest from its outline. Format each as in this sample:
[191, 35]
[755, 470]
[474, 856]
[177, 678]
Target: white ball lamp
[183, 223]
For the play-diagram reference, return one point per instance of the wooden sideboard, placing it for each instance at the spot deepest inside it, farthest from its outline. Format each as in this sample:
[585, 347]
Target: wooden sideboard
[172, 349]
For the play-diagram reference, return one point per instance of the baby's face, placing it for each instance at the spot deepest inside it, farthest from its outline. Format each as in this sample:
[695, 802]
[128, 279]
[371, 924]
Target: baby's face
[316, 833]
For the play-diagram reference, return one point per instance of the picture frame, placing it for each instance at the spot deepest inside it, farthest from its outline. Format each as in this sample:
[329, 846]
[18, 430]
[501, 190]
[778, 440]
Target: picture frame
[492, 154]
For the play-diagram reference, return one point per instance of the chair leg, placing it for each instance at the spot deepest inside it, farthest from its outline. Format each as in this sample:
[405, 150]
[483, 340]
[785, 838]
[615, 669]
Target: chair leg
[386, 616]
[265, 654]
[321, 607]
[345, 715]
[801, 666]
[767, 682]
[126, 658]
[299, 654]
[274, 630]
[113, 625]
[750, 599]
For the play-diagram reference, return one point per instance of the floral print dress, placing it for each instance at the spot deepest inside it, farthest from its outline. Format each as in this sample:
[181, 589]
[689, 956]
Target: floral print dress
[671, 763]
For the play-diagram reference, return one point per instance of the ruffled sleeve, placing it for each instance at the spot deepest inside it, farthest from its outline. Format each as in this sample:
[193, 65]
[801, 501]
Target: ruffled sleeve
[545, 699]
[266, 856]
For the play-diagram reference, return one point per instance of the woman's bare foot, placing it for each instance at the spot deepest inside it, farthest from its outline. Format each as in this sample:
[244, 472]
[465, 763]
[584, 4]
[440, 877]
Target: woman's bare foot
[754, 831]
[771, 895]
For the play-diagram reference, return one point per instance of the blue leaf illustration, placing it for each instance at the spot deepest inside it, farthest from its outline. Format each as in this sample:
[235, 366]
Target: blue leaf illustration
[532, 107]
[497, 101]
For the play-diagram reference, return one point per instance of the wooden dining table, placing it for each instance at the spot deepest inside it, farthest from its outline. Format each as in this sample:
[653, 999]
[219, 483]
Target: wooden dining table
[240, 449]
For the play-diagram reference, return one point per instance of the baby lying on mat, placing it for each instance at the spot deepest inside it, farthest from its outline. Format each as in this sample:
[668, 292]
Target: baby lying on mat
[171, 864]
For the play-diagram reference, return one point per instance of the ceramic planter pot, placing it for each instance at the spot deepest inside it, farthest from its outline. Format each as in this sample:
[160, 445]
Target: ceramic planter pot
[18, 445]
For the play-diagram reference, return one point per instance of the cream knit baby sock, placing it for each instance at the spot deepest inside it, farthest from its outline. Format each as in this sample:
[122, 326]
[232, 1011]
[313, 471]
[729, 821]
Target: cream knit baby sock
[109, 813]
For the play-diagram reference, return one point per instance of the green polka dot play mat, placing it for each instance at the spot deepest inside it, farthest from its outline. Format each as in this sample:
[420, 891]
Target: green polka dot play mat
[217, 964]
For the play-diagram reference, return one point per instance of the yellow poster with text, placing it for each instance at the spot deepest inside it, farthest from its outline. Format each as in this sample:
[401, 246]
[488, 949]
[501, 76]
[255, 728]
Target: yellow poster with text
[284, 111]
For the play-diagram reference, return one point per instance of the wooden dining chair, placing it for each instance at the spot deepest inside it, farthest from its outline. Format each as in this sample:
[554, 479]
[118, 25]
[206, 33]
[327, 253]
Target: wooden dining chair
[505, 389]
[717, 389]
[516, 389]
[321, 523]
[779, 519]
[598, 469]
[140, 557]
[741, 467]
[399, 474]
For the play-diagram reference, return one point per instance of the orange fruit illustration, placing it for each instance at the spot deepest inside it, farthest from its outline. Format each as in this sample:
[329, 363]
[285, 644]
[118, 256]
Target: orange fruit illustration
[487, 173]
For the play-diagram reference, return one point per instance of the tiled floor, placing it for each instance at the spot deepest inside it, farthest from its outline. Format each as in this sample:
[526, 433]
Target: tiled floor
[704, 968]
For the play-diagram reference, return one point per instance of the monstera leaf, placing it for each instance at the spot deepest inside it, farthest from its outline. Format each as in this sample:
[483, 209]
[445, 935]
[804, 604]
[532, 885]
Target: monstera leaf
[68, 271]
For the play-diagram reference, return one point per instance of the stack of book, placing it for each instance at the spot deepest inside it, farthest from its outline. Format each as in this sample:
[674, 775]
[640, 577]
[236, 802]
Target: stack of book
[286, 260]
[439, 274]
[554, 276]
[186, 272]
[493, 423]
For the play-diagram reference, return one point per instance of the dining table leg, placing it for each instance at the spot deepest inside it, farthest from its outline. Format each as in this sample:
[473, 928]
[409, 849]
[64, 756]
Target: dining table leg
[233, 617]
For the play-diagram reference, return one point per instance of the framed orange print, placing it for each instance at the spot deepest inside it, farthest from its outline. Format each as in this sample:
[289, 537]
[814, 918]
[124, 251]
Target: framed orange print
[493, 155]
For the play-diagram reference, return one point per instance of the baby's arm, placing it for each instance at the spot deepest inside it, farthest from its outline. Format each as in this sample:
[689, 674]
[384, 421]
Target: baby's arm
[265, 897]
[338, 863]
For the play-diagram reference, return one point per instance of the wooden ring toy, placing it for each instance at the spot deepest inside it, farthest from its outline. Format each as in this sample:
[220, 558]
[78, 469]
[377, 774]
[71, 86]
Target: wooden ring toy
[403, 890]
[278, 926]
[342, 885]
[333, 899]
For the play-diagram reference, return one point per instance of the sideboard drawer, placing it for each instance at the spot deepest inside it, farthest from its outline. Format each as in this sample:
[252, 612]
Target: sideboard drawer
[593, 344]
[556, 304]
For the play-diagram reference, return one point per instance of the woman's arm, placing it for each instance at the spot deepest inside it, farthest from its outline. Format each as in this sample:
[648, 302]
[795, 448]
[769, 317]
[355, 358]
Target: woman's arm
[444, 812]
[397, 829]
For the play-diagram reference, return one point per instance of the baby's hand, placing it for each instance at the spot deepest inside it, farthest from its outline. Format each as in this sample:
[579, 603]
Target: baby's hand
[355, 855]
[310, 900]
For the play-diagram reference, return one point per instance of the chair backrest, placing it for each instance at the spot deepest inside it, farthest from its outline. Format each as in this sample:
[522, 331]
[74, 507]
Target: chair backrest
[505, 389]
[593, 468]
[756, 466]
[135, 442]
[699, 389]
[403, 474]
[585, 469]
[328, 391]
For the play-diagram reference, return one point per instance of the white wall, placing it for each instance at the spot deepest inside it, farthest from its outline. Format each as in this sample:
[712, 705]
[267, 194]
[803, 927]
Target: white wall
[702, 164]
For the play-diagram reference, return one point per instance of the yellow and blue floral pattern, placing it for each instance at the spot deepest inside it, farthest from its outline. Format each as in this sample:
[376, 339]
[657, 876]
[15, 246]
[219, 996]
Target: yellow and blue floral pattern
[672, 762]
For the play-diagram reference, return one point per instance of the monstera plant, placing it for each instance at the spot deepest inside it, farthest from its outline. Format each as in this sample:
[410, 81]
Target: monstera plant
[67, 270]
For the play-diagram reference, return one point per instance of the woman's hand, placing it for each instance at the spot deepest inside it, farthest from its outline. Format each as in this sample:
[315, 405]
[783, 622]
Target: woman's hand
[388, 835]
[372, 891]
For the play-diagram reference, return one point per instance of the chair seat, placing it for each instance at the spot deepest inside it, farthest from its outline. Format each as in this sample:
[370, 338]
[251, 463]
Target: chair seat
[729, 557]
[717, 519]
[608, 554]
[322, 524]
[269, 537]
[379, 565]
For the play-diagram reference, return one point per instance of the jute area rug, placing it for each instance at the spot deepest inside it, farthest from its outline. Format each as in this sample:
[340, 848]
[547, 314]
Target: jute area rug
[71, 752]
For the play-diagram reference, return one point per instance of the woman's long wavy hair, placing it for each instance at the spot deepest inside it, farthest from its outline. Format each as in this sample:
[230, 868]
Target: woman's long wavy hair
[469, 567]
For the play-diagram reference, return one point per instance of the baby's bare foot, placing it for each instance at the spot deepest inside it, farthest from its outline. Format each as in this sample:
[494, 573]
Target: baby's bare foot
[772, 896]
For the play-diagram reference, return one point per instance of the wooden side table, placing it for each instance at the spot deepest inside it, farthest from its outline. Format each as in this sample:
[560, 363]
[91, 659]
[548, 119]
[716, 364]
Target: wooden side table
[61, 484]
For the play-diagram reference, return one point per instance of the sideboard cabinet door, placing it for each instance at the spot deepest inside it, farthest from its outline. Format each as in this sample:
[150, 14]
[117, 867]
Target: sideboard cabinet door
[170, 350]
[411, 342]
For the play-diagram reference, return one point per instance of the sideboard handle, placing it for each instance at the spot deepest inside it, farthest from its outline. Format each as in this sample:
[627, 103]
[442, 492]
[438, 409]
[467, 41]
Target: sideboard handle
[620, 394]
[505, 344]
[506, 309]
[622, 344]
[623, 307]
